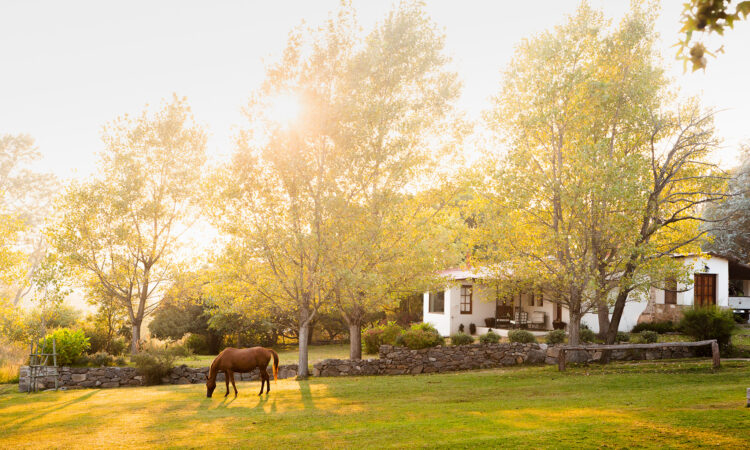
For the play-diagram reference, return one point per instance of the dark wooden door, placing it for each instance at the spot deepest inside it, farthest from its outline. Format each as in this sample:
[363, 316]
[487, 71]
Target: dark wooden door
[705, 289]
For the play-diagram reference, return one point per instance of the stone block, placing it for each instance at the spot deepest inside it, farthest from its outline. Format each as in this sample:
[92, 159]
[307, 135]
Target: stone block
[78, 377]
[112, 384]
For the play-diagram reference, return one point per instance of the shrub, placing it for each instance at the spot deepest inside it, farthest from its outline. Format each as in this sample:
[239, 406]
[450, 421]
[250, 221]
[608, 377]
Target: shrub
[182, 351]
[709, 323]
[659, 327]
[101, 359]
[387, 334]
[392, 331]
[371, 339]
[461, 339]
[489, 338]
[472, 329]
[521, 336]
[121, 361]
[154, 364]
[421, 335]
[197, 344]
[70, 345]
[622, 337]
[555, 337]
[649, 336]
[587, 335]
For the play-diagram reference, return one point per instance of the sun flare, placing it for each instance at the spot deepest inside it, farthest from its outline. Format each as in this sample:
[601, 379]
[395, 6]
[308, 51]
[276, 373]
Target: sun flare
[284, 108]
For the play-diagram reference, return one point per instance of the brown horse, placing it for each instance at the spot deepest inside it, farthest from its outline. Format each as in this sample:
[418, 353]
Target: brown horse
[242, 360]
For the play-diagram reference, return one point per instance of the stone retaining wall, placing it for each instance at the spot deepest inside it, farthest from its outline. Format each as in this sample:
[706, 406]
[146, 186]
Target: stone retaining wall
[401, 360]
[110, 377]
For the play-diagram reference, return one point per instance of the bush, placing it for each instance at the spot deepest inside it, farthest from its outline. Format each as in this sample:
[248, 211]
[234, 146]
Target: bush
[371, 339]
[521, 336]
[197, 344]
[388, 334]
[587, 335]
[461, 339]
[489, 338]
[659, 327]
[422, 335]
[622, 337]
[649, 337]
[555, 337]
[472, 329]
[181, 351]
[101, 359]
[70, 345]
[392, 331]
[709, 323]
[154, 364]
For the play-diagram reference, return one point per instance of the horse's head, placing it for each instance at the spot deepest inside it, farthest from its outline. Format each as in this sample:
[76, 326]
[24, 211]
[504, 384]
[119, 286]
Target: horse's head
[210, 386]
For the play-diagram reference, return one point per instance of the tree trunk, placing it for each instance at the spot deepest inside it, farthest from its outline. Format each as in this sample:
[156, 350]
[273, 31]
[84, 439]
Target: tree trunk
[355, 341]
[136, 338]
[603, 313]
[302, 372]
[614, 324]
[574, 329]
[310, 330]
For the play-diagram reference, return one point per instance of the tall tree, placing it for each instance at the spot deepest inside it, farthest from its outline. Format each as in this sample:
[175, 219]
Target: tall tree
[729, 221]
[26, 202]
[314, 204]
[122, 228]
[586, 165]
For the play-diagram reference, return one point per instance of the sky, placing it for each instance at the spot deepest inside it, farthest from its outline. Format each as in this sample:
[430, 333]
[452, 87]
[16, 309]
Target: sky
[70, 67]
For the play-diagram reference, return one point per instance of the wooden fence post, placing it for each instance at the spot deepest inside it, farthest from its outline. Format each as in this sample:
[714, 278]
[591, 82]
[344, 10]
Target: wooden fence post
[715, 354]
[561, 360]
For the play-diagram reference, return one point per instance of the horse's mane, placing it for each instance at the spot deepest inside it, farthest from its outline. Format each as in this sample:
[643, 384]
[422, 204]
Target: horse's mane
[214, 363]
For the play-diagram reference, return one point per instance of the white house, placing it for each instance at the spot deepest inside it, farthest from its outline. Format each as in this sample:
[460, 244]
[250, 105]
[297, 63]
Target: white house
[717, 280]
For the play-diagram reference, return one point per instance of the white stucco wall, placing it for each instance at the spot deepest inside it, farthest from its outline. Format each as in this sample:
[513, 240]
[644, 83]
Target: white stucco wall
[633, 309]
[448, 322]
[441, 321]
[631, 313]
[716, 265]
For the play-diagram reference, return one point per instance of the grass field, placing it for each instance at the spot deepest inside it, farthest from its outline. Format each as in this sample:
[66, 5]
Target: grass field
[287, 355]
[677, 404]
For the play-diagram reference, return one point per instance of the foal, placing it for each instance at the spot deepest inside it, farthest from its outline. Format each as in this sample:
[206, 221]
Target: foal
[242, 360]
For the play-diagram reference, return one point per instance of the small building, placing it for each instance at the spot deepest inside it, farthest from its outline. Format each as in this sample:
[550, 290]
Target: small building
[465, 300]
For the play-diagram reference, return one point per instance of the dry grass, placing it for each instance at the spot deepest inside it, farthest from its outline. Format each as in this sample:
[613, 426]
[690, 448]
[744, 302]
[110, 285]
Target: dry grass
[12, 356]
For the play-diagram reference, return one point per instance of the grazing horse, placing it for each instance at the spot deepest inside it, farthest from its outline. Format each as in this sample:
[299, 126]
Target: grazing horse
[242, 360]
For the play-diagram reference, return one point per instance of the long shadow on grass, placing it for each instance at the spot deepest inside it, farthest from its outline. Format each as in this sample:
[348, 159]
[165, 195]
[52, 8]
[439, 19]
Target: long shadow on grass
[39, 413]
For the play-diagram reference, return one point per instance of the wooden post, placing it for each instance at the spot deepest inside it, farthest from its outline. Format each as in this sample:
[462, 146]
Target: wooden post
[715, 354]
[561, 360]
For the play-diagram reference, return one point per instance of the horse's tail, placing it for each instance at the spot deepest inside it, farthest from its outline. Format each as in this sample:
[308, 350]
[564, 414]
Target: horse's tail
[275, 365]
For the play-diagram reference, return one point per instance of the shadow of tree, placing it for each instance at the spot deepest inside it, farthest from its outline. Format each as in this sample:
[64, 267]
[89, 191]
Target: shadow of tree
[38, 413]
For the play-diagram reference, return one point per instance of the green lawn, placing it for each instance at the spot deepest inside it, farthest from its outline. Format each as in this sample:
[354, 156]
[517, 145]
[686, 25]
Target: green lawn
[287, 355]
[677, 404]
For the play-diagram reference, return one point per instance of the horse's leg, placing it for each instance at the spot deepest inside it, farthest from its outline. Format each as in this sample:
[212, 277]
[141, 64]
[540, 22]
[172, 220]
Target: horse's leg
[268, 381]
[226, 379]
[233, 385]
[262, 380]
